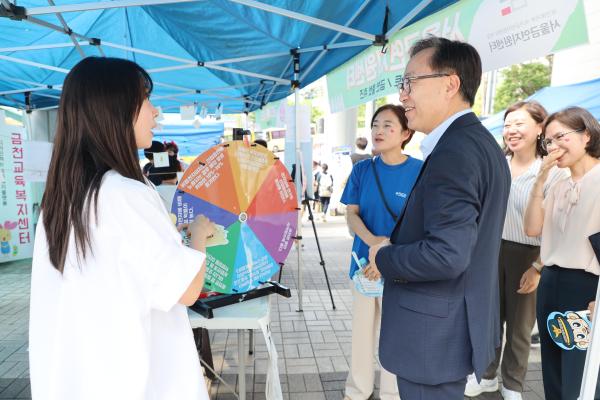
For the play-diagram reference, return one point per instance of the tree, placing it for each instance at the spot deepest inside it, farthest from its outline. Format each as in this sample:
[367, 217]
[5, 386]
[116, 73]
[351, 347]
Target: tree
[478, 105]
[360, 115]
[316, 113]
[519, 82]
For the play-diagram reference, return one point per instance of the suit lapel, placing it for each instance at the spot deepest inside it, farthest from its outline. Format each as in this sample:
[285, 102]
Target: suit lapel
[401, 217]
[461, 122]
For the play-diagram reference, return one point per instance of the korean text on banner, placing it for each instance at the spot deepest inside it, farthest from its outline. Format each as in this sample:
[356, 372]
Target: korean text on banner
[272, 115]
[16, 219]
[505, 32]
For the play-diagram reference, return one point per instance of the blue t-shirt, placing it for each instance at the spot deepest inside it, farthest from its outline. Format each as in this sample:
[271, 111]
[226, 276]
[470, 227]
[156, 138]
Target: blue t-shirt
[396, 182]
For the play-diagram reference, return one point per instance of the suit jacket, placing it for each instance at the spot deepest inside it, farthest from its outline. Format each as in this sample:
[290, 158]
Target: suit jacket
[440, 316]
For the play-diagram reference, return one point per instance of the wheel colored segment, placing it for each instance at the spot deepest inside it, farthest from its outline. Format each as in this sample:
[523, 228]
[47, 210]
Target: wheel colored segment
[210, 178]
[253, 263]
[276, 195]
[186, 207]
[275, 232]
[251, 167]
[221, 261]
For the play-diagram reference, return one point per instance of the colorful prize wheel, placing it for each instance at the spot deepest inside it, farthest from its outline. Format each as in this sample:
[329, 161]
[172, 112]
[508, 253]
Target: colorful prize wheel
[247, 192]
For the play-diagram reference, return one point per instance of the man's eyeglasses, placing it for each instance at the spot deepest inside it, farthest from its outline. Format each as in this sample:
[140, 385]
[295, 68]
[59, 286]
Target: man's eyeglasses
[559, 136]
[407, 81]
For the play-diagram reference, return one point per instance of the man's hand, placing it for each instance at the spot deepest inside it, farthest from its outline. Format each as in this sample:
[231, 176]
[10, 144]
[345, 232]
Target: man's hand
[529, 281]
[371, 271]
[591, 307]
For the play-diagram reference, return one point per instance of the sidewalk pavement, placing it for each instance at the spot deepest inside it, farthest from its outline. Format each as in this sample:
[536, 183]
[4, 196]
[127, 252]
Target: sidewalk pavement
[313, 345]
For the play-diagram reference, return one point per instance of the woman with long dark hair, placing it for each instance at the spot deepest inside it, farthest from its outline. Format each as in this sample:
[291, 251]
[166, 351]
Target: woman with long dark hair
[110, 276]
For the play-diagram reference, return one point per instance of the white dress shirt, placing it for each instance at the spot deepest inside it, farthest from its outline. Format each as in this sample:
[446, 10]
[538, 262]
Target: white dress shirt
[431, 140]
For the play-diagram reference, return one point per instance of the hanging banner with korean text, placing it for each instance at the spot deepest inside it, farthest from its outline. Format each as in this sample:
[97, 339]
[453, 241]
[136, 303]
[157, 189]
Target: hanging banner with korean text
[16, 214]
[272, 115]
[505, 32]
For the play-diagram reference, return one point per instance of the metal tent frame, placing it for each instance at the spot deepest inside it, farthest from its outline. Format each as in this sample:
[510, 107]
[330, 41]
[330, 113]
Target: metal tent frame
[250, 95]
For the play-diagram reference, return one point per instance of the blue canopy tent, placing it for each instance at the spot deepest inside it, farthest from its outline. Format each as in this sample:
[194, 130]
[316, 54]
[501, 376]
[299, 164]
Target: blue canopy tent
[238, 53]
[190, 140]
[555, 98]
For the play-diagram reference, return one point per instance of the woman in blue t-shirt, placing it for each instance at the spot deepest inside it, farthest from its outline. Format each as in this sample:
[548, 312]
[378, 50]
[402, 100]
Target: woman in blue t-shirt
[375, 194]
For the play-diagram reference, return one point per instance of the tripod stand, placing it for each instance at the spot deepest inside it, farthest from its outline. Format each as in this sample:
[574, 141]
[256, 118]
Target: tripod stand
[311, 218]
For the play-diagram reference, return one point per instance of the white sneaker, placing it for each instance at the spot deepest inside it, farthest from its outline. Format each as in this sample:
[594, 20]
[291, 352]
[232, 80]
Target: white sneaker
[508, 394]
[475, 389]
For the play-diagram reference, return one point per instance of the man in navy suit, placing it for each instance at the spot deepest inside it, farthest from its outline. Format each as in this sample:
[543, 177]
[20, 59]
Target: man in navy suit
[440, 317]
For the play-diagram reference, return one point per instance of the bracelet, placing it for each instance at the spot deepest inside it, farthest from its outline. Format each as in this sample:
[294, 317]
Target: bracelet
[538, 266]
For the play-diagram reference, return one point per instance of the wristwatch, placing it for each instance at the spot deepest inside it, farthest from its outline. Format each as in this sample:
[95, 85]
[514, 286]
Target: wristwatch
[538, 266]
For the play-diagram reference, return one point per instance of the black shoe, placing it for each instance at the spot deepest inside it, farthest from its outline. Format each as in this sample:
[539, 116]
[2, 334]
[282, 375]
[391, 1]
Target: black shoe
[535, 340]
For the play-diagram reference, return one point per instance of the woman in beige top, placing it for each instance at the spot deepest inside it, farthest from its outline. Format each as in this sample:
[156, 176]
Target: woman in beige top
[568, 215]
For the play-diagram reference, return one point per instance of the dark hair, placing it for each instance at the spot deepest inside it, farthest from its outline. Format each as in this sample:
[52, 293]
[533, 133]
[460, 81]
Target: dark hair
[261, 142]
[538, 113]
[362, 142]
[401, 115]
[456, 57]
[324, 167]
[171, 146]
[156, 147]
[580, 119]
[101, 99]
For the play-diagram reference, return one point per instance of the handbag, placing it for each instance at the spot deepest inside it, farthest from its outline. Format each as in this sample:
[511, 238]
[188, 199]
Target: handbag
[328, 190]
[387, 207]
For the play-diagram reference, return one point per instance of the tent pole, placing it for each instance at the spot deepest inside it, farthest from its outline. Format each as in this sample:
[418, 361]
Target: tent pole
[34, 89]
[233, 86]
[298, 175]
[67, 29]
[336, 37]
[194, 92]
[40, 47]
[100, 5]
[247, 73]
[11, 79]
[407, 18]
[248, 58]
[343, 45]
[34, 64]
[306, 18]
[276, 84]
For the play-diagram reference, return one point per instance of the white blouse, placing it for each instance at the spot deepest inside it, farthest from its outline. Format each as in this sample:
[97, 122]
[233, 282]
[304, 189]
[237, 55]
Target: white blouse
[111, 327]
[571, 215]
